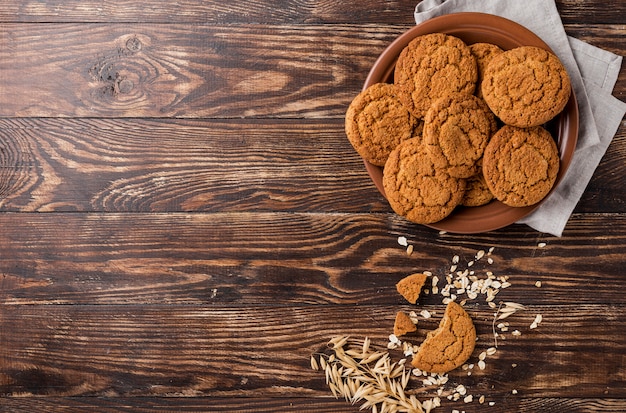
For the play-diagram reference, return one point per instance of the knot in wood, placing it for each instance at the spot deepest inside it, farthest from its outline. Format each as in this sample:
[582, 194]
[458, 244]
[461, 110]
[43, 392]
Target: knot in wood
[134, 44]
[125, 85]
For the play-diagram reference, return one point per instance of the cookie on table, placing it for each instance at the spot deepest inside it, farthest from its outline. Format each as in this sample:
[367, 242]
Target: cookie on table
[476, 192]
[431, 66]
[483, 53]
[526, 86]
[520, 165]
[403, 324]
[376, 122]
[457, 128]
[415, 188]
[450, 345]
[411, 286]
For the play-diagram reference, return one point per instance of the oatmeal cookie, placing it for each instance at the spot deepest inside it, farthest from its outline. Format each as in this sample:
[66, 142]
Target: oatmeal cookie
[526, 86]
[376, 122]
[483, 53]
[431, 66]
[415, 188]
[410, 286]
[520, 165]
[450, 345]
[403, 324]
[457, 128]
[476, 192]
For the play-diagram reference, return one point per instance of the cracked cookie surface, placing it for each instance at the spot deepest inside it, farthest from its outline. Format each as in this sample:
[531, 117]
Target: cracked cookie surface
[410, 286]
[431, 66]
[377, 121]
[526, 86]
[415, 188]
[483, 53]
[520, 166]
[450, 345]
[476, 192]
[403, 324]
[457, 129]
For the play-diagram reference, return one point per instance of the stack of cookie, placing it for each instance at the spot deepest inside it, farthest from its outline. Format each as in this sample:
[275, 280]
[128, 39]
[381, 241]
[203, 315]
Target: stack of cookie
[461, 125]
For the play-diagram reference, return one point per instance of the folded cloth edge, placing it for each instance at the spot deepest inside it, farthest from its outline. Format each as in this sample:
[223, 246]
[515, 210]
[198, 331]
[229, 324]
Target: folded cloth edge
[530, 14]
[552, 215]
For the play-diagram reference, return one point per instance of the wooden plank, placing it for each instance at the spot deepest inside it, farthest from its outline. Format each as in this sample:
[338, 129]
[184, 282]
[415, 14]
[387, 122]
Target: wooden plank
[136, 165]
[289, 258]
[264, 351]
[198, 71]
[181, 71]
[211, 11]
[292, 404]
[167, 166]
[276, 12]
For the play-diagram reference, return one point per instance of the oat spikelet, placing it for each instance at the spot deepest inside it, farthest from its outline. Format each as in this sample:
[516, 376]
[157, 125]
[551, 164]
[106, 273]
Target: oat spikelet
[359, 374]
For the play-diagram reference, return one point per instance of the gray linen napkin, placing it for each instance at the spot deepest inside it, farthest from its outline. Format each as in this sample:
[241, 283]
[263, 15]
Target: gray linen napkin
[593, 74]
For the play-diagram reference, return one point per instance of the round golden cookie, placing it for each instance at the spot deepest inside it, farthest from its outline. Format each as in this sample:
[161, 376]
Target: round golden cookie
[476, 192]
[457, 128]
[483, 53]
[526, 86]
[431, 66]
[376, 122]
[450, 345]
[416, 189]
[520, 165]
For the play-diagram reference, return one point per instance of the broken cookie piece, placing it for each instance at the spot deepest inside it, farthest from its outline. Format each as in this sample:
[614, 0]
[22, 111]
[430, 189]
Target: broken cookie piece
[411, 286]
[450, 345]
[403, 324]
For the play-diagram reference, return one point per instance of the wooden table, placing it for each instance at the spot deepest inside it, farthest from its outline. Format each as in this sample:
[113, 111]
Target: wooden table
[183, 222]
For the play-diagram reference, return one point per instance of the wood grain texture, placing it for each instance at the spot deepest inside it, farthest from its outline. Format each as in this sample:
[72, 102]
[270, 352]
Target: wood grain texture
[212, 11]
[183, 222]
[254, 258]
[156, 165]
[87, 70]
[292, 404]
[256, 11]
[159, 166]
[263, 351]
[108, 70]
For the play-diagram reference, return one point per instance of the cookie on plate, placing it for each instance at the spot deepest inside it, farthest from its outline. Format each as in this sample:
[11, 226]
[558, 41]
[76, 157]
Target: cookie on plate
[520, 165]
[415, 188]
[450, 345]
[457, 128]
[376, 122]
[476, 192]
[483, 52]
[431, 66]
[526, 86]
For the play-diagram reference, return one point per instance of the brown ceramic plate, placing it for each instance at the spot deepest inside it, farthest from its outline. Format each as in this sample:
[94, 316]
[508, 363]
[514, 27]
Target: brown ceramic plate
[475, 28]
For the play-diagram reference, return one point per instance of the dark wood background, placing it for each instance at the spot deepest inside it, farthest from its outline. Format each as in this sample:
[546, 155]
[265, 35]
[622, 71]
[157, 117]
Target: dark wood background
[183, 222]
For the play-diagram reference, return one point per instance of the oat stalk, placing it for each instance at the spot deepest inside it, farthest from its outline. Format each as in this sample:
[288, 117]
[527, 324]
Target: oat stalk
[362, 375]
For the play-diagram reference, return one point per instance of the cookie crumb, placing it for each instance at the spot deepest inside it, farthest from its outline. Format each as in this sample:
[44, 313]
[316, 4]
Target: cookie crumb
[403, 324]
[410, 286]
